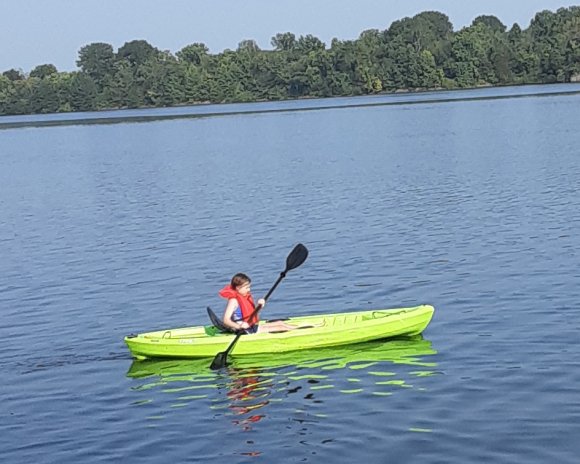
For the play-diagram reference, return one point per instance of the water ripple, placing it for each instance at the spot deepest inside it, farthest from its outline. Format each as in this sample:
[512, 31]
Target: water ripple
[470, 206]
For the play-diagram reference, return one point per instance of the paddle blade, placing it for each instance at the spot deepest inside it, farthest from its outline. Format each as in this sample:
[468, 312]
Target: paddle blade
[296, 257]
[220, 361]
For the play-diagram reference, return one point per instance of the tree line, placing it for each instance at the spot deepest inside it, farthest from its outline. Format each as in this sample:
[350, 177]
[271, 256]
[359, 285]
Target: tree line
[422, 52]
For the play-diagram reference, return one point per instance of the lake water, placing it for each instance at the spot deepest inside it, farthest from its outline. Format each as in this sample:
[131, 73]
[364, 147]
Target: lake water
[469, 204]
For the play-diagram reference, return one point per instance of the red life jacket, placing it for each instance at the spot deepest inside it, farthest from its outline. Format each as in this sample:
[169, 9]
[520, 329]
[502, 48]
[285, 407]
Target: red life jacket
[246, 303]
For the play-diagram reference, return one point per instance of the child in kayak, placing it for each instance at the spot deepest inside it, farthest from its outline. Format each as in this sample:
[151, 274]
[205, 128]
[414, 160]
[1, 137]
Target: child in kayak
[240, 312]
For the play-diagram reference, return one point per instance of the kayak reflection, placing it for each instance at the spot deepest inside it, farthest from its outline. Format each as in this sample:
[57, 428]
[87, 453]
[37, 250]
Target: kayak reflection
[405, 351]
[250, 384]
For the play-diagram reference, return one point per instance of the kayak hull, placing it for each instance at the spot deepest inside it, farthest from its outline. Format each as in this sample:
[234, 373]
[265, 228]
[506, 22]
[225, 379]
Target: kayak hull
[327, 330]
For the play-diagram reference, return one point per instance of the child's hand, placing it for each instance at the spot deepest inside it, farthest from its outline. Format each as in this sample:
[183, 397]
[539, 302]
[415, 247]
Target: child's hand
[261, 302]
[244, 325]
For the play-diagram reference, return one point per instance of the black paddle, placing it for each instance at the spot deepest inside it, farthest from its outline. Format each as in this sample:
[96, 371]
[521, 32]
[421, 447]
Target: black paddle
[296, 257]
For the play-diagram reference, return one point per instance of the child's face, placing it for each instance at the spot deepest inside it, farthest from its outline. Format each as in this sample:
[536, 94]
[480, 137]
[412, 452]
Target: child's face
[244, 289]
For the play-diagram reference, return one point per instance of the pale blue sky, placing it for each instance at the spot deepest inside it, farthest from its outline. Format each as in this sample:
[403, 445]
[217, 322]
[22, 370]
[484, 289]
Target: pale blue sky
[34, 32]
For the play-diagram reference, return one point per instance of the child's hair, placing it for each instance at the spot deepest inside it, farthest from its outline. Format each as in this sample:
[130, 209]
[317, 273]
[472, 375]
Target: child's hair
[240, 279]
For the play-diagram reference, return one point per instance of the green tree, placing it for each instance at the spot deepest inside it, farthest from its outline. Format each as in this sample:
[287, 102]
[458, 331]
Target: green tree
[524, 62]
[284, 42]
[572, 53]
[43, 70]
[309, 43]
[345, 60]
[490, 21]
[248, 46]
[124, 89]
[197, 83]
[430, 30]
[136, 52]
[271, 75]
[14, 75]
[19, 97]
[193, 54]
[412, 69]
[83, 92]
[556, 38]
[97, 60]
[162, 81]
[473, 56]
[7, 92]
[45, 96]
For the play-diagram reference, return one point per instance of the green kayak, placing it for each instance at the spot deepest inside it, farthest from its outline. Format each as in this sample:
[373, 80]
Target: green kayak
[325, 330]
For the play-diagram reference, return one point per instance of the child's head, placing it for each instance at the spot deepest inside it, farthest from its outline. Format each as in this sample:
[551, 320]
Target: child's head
[241, 283]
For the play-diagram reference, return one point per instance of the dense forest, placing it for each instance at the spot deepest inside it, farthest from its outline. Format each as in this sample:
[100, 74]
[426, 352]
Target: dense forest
[422, 52]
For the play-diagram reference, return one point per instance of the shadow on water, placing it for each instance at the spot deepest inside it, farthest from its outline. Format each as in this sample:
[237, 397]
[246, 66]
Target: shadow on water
[246, 391]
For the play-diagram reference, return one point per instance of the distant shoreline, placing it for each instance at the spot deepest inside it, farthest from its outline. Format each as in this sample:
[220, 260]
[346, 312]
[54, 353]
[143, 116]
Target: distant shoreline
[42, 120]
[414, 54]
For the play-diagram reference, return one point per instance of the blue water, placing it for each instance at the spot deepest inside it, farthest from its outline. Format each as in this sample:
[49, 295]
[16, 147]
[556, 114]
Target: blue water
[469, 205]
